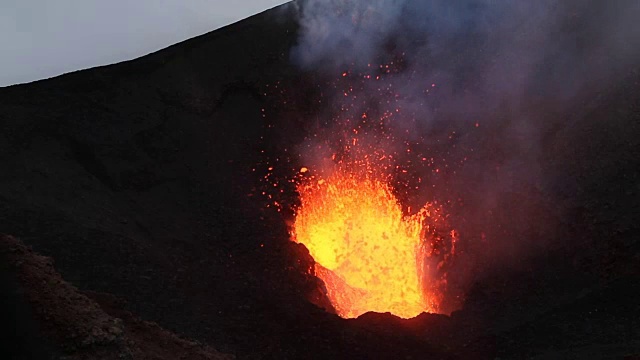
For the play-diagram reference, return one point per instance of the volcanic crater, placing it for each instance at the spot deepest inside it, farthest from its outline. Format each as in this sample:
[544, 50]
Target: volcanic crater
[214, 199]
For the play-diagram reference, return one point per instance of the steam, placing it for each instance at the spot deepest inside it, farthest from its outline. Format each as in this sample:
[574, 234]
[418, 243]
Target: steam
[518, 69]
[508, 49]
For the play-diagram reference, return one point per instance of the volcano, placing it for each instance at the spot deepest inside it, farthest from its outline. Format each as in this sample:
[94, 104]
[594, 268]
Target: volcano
[188, 197]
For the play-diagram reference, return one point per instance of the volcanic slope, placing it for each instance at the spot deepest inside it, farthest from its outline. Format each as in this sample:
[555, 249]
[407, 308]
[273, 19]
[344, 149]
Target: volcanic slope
[138, 180]
[72, 325]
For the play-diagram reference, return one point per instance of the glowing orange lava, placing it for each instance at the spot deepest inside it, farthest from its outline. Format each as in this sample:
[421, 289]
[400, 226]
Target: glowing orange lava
[368, 253]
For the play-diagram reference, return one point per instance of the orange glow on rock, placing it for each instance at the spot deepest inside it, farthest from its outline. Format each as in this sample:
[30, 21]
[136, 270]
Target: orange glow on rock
[368, 252]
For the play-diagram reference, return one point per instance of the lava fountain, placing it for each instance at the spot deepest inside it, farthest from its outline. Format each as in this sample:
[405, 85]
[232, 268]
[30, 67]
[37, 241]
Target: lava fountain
[367, 251]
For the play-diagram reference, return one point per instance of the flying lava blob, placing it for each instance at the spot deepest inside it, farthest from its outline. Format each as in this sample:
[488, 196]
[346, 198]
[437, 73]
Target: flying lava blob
[367, 251]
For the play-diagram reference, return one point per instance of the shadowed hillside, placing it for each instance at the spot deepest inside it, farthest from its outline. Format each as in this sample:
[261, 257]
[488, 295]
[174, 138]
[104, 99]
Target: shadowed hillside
[143, 181]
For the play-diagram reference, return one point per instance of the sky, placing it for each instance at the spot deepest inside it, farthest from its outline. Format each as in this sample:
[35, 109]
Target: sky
[43, 38]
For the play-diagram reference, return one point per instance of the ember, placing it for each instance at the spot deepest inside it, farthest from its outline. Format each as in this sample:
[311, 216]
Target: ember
[368, 253]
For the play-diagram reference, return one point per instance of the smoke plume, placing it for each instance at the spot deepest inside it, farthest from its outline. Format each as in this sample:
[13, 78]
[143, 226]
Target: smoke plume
[476, 87]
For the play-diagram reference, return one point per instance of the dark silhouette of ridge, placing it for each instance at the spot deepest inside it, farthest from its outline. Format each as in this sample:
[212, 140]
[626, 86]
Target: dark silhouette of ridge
[142, 181]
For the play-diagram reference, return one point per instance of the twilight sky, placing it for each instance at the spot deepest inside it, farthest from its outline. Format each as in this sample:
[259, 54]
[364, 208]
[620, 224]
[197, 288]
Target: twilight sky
[44, 38]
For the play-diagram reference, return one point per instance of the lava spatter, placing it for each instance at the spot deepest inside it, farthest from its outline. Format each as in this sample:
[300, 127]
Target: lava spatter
[368, 252]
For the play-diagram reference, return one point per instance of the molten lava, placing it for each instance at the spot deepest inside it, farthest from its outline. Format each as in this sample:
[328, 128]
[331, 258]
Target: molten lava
[368, 252]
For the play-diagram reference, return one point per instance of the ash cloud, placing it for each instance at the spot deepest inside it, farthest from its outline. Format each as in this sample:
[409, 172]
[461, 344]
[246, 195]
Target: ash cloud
[521, 70]
[509, 49]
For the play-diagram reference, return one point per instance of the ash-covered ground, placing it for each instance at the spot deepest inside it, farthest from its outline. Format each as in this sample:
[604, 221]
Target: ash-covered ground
[143, 181]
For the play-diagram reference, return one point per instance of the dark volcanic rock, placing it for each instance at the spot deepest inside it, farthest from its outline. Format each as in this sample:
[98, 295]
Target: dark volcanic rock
[74, 325]
[143, 179]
